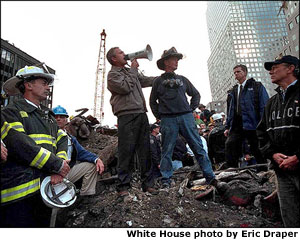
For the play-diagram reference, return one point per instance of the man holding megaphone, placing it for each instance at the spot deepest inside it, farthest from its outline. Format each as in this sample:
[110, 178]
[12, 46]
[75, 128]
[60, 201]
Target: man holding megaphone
[129, 105]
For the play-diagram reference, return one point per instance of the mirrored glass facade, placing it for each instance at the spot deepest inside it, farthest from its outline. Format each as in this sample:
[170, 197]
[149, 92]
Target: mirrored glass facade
[243, 32]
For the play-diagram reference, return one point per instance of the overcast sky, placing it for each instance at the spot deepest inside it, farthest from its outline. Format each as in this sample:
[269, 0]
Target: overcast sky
[66, 36]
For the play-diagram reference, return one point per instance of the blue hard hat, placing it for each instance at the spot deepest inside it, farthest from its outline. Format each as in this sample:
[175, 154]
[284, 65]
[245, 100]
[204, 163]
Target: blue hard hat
[59, 110]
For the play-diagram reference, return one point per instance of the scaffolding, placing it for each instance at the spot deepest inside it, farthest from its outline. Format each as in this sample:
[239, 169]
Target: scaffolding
[100, 81]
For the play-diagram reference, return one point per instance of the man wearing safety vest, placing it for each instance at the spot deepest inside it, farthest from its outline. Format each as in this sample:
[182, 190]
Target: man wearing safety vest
[36, 148]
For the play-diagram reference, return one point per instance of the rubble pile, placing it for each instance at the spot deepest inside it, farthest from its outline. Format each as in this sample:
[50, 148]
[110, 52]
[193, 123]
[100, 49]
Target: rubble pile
[243, 205]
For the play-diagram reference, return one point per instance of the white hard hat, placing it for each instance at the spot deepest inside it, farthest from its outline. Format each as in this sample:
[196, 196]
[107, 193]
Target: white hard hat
[28, 71]
[222, 113]
[216, 116]
[60, 195]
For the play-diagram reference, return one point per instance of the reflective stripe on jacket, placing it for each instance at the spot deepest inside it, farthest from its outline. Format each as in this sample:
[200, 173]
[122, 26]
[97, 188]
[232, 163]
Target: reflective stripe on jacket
[36, 148]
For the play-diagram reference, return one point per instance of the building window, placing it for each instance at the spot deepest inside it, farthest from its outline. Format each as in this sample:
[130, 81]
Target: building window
[3, 55]
[294, 37]
[292, 10]
[297, 48]
[297, 19]
[291, 25]
[8, 56]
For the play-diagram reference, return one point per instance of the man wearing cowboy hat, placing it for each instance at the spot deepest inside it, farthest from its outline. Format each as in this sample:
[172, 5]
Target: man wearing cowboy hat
[169, 103]
[278, 135]
[36, 148]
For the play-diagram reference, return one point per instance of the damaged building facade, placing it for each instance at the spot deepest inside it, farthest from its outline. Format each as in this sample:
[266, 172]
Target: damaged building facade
[13, 59]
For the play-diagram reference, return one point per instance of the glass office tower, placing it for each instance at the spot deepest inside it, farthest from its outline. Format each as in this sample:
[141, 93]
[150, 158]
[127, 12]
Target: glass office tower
[243, 32]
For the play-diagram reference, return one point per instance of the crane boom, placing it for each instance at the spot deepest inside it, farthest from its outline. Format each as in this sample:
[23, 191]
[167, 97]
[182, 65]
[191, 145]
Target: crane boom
[100, 80]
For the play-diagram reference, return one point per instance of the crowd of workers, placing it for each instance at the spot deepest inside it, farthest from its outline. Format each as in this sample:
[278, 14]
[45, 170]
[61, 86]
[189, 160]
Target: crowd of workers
[35, 141]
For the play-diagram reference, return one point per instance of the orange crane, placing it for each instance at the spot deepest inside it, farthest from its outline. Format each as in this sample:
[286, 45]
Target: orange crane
[100, 81]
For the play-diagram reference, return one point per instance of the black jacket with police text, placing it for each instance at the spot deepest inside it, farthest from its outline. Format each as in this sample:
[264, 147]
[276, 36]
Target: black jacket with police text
[279, 131]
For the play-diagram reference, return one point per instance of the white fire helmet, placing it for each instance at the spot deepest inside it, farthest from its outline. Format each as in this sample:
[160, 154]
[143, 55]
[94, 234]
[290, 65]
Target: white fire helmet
[60, 195]
[25, 73]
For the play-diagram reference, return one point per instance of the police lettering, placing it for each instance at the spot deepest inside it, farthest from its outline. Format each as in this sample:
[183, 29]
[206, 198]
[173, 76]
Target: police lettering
[290, 112]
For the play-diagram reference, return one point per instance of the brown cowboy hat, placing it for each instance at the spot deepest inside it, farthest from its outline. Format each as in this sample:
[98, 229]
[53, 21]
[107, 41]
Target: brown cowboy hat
[172, 52]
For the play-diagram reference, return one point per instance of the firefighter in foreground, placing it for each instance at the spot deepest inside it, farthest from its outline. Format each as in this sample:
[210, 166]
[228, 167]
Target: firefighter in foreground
[36, 148]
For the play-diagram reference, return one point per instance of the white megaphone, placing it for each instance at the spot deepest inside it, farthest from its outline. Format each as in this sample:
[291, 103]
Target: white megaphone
[145, 53]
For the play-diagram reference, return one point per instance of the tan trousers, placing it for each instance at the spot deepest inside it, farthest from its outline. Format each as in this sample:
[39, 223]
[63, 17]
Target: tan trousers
[88, 172]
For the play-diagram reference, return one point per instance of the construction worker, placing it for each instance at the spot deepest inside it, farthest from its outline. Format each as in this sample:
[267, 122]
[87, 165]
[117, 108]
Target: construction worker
[36, 148]
[83, 163]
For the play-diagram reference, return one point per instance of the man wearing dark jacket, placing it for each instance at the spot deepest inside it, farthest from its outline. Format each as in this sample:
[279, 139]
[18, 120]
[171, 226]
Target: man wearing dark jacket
[155, 149]
[36, 148]
[179, 152]
[216, 141]
[129, 105]
[169, 103]
[246, 104]
[278, 135]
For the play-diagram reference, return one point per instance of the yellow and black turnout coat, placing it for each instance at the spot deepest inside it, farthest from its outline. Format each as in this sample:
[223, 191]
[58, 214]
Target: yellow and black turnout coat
[36, 148]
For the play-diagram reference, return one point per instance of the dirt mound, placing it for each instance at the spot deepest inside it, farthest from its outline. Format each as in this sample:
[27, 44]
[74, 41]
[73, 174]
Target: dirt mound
[174, 207]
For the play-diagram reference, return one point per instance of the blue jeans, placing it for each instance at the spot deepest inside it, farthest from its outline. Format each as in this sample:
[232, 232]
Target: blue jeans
[176, 164]
[185, 125]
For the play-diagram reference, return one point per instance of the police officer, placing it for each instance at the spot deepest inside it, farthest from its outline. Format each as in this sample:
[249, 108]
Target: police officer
[278, 135]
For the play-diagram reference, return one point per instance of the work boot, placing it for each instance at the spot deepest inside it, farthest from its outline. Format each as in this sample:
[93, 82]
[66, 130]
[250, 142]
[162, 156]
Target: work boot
[166, 183]
[220, 186]
[151, 190]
